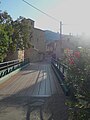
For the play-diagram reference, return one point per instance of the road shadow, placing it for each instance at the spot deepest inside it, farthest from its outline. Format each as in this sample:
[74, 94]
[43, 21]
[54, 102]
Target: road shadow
[44, 108]
[51, 108]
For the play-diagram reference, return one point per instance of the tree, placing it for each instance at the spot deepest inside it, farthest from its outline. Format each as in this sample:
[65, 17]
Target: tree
[14, 35]
[6, 31]
[21, 35]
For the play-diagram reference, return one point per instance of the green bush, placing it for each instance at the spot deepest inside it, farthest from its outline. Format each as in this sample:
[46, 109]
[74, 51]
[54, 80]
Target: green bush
[78, 81]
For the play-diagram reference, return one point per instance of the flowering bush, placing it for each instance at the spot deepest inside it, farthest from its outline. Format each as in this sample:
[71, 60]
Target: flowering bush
[78, 81]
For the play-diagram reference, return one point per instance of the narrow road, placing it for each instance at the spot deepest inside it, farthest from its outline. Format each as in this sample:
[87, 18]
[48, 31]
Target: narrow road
[34, 90]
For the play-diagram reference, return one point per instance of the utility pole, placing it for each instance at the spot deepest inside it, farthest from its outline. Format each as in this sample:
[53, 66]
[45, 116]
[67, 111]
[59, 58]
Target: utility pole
[61, 47]
[61, 30]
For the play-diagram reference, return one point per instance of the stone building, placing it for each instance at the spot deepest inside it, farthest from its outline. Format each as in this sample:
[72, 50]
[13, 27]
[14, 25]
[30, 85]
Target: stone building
[36, 53]
[67, 42]
[50, 48]
[37, 40]
[57, 47]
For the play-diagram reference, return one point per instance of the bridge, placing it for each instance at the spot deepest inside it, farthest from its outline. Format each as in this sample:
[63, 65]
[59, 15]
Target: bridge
[27, 89]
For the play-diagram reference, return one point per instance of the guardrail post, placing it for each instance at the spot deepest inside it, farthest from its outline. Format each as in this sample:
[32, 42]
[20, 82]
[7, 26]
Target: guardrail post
[6, 72]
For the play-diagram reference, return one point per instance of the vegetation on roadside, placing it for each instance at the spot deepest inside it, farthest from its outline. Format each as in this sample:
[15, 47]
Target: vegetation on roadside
[78, 81]
[14, 35]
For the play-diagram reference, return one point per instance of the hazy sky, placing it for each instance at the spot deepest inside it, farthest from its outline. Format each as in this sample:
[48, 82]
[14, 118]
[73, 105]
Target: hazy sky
[75, 13]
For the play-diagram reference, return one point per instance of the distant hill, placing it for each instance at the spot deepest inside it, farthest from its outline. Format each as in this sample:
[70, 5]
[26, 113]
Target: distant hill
[51, 36]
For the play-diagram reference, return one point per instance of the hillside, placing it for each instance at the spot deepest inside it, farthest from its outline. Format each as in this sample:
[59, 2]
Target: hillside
[51, 36]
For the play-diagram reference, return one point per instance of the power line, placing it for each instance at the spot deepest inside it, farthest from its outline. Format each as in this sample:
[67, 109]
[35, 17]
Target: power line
[41, 11]
[46, 15]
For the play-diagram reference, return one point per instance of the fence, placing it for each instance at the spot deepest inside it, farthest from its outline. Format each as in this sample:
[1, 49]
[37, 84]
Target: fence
[10, 66]
[60, 71]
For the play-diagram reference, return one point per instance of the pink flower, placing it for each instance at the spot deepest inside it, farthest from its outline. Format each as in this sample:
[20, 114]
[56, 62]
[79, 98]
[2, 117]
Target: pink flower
[77, 54]
[71, 61]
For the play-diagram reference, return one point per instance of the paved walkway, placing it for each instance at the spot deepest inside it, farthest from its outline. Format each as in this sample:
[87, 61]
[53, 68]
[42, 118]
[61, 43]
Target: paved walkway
[34, 80]
[32, 94]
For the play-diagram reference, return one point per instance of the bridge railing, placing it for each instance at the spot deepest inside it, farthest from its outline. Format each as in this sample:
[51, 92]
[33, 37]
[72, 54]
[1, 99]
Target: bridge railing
[10, 66]
[60, 71]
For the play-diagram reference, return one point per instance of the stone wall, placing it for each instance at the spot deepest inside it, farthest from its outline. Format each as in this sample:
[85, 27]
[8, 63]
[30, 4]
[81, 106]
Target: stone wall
[36, 53]
[32, 54]
[39, 40]
[11, 56]
[21, 55]
[15, 55]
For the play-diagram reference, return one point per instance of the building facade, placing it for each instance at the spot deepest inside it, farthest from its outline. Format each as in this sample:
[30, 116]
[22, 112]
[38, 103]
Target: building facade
[67, 42]
[57, 47]
[37, 40]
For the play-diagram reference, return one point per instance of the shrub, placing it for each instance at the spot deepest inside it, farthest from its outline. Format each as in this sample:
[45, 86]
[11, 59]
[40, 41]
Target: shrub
[78, 81]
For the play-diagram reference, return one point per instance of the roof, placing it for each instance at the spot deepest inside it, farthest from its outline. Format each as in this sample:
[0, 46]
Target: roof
[39, 29]
[30, 20]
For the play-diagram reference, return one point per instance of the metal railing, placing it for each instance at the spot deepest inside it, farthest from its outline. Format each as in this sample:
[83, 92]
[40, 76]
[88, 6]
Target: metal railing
[60, 71]
[10, 66]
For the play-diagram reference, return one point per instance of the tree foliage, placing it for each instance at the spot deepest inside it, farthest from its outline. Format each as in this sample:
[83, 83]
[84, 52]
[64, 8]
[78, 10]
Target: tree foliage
[14, 35]
[6, 31]
[21, 34]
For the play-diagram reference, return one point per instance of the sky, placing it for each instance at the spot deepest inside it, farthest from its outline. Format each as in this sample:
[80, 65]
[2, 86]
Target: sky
[74, 14]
